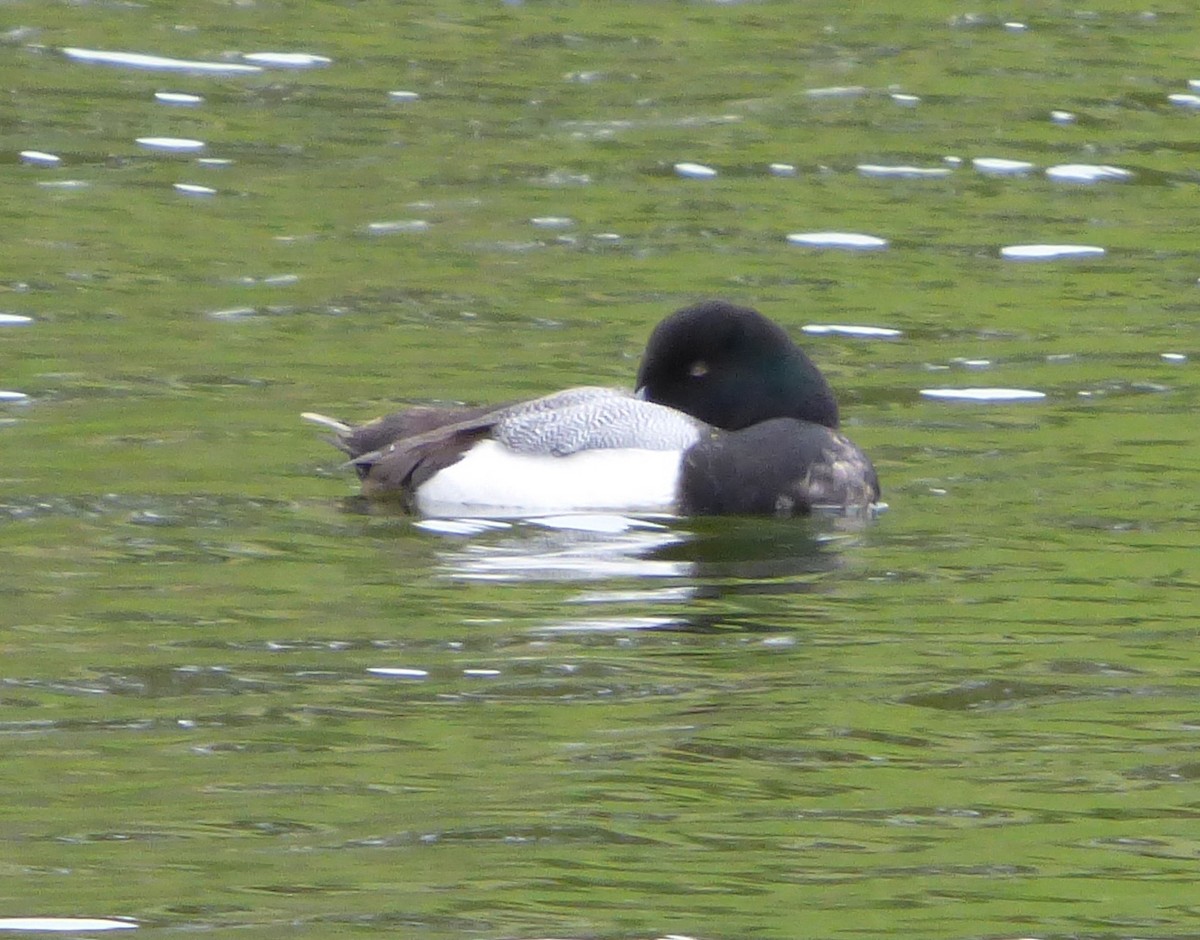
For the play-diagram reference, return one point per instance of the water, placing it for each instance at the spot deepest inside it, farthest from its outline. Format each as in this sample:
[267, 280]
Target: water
[230, 696]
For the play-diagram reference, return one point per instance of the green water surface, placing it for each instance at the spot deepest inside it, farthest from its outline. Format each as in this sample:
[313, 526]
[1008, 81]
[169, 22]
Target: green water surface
[976, 717]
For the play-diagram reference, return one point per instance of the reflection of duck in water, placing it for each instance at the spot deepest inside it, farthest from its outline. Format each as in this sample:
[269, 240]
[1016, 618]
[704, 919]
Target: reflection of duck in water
[730, 416]
[651, 569]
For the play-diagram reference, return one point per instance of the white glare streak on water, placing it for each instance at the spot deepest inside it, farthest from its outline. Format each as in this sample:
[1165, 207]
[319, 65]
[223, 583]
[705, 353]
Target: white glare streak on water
[398, 672]
[233, 313]
[171, 144]
[551, 221]
[155, 63]
[998, 166]
[903, 172]
[983, 394]
[837, 91]
[1192, 102]
[1087, 173]
[870, 332]
[1050, 252]
[849, 241]
[460, 526]
[596, 522]
[62, 924]
[397, 226]
[288, 60]
[39, 158]
[178, 99]
[613, 625]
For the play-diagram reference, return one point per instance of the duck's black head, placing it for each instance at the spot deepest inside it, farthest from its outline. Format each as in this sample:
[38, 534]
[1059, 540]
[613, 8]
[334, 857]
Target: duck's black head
[731, 367]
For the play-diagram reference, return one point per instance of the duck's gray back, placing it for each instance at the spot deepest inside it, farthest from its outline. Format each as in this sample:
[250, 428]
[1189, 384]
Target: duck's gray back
[589, 418]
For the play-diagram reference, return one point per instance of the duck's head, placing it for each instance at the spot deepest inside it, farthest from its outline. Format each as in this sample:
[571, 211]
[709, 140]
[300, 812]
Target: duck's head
[731, 367]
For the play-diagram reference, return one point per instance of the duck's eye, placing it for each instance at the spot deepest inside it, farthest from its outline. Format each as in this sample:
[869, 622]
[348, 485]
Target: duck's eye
[698, 369]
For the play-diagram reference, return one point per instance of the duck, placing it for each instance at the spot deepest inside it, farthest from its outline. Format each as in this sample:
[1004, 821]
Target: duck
[728, 416]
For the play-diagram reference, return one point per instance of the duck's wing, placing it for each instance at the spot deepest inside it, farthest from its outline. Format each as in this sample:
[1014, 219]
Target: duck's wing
[557, 425]
[593, 419]
[357, 440]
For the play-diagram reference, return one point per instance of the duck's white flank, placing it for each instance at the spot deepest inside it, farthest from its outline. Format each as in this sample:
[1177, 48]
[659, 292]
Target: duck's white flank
[491, 480]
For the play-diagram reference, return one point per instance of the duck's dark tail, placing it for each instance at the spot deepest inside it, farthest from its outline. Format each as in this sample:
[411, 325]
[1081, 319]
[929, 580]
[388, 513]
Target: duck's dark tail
[342, 432]
[357, 440]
